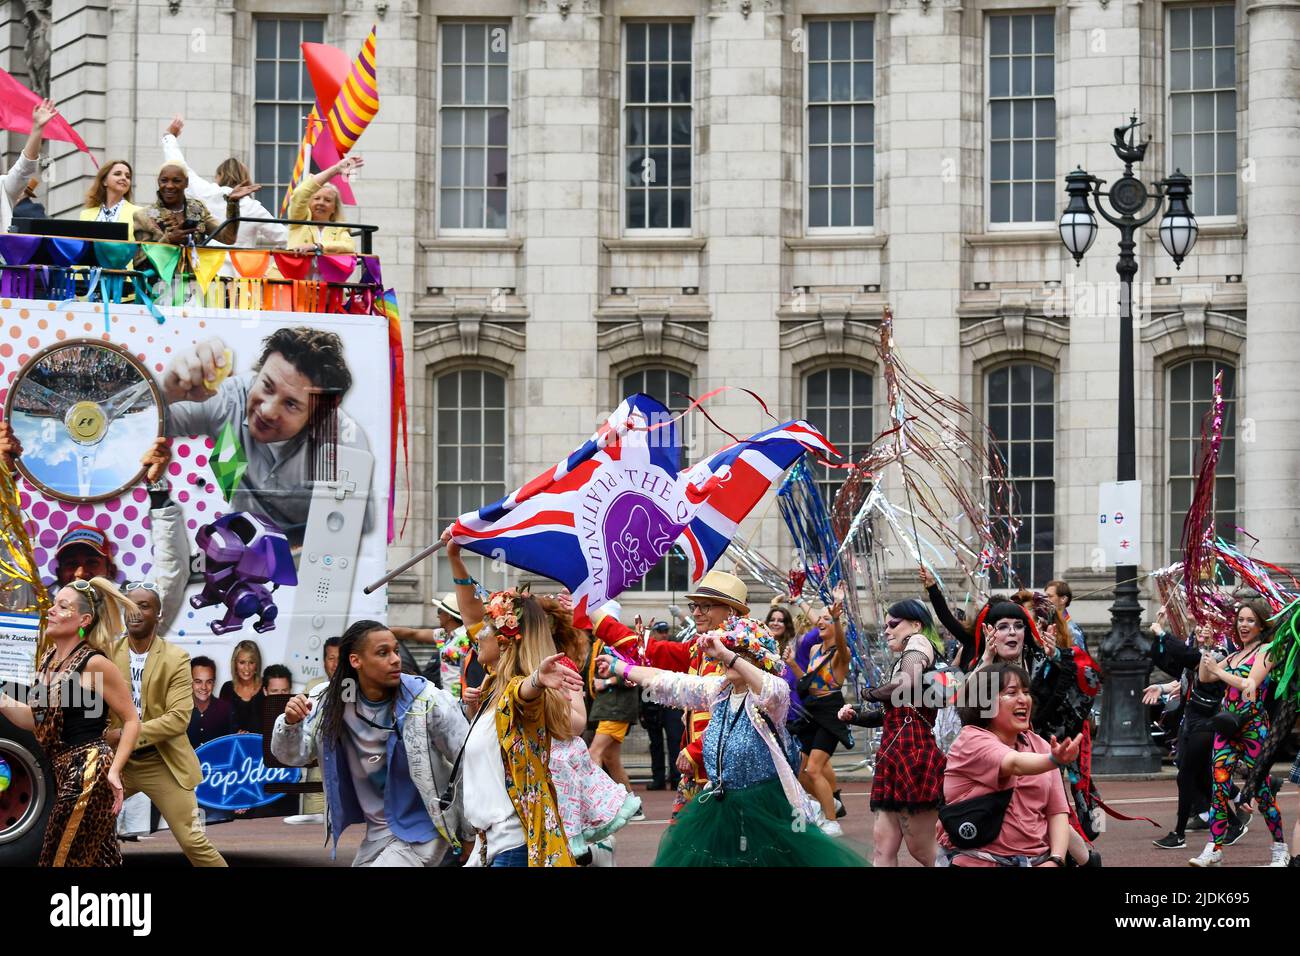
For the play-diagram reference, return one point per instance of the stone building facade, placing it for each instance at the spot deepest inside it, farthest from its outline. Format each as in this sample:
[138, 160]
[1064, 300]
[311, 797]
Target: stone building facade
[578, 197]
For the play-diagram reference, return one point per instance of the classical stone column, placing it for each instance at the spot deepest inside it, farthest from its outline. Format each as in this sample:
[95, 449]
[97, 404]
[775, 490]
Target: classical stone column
[1271, 418]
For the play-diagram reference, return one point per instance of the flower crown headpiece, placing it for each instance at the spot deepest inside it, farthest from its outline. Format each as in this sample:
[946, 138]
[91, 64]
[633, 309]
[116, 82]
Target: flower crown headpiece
[751, 636]
[504, 610]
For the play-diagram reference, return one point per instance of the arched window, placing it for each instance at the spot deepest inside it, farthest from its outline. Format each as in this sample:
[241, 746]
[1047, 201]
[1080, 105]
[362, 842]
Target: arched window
[670, 387]
[838, 402]
[1022, 416]
[469, 454]
[1191, 396]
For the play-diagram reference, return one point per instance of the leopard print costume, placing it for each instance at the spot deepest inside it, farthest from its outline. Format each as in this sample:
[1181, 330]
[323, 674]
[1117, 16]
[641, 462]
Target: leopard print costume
[82, 829]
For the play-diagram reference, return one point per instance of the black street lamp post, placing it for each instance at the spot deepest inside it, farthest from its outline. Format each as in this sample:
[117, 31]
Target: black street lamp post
[1123, 742]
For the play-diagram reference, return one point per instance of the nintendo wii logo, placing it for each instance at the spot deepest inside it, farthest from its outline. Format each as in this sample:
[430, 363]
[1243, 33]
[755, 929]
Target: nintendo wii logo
[77, 909]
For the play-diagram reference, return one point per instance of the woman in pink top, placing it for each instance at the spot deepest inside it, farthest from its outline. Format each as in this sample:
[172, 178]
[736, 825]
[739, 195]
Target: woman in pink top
[996, 750]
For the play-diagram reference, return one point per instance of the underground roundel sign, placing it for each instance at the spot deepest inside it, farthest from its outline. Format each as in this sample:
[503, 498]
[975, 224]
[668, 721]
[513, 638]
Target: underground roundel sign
[234, 776]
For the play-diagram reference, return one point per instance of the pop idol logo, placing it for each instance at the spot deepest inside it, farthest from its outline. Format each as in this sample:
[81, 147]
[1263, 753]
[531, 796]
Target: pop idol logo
[234, 776]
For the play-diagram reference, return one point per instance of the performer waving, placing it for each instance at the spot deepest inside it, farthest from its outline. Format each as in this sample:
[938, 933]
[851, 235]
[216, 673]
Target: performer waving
[752, 812]
[820, 698]
[1241, 731]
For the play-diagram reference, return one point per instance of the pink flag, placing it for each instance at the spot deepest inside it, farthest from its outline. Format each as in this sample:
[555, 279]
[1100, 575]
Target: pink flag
[324, 154]
[16, 105]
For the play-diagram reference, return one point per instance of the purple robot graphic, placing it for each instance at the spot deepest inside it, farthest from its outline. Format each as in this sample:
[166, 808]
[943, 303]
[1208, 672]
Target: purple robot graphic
[242, 553]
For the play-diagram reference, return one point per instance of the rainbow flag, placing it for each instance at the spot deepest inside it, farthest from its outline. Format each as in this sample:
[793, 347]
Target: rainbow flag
[386, 305]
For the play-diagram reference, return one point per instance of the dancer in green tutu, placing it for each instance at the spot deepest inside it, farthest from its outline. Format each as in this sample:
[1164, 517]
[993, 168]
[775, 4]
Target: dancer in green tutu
[753, 812]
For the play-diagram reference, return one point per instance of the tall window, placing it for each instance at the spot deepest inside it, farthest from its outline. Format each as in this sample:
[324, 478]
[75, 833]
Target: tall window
[1203, 104]
[657, 123]
[282, 99]
[1191, 396]
[469, 453]
[841, 123]
[671, 388]
[474, 124]
[1022, 417]
[1022, 119]
[838, 402]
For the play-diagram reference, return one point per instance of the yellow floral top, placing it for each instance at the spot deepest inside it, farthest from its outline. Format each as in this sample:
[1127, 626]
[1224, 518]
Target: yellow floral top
[526, 752]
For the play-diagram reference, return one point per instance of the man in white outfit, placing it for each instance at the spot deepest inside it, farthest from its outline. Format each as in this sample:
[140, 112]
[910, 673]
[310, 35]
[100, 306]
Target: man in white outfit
[213, 194]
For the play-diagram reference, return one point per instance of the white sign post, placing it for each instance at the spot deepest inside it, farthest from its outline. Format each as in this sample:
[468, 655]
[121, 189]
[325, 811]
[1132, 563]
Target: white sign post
[1119, 522]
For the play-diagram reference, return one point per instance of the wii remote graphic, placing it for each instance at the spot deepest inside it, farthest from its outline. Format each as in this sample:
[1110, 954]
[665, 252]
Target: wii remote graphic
[328, 563]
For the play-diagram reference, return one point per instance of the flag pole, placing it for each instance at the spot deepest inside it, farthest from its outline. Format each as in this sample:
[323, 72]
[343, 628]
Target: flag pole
[427, 552]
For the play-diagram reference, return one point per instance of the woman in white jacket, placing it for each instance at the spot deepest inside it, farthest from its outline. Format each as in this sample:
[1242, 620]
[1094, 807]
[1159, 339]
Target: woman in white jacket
[25, 166]
[231, 173]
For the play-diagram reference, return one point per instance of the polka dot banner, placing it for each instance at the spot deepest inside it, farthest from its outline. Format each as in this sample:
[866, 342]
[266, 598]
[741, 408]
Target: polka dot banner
[26, 328]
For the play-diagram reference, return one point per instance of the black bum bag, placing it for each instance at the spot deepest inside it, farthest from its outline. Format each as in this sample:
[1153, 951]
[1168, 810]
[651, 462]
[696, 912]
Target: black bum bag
[978, 821]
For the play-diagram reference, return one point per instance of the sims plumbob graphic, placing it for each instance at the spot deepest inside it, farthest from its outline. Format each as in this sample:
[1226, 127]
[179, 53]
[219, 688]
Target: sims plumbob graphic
[85, 412]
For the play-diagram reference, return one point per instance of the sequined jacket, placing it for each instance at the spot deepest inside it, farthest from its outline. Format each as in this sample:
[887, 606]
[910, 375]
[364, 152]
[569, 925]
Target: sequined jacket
[772, 699]
[668, 656]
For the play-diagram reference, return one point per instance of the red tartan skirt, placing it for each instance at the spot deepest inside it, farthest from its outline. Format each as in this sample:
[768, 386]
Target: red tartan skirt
[909, 764]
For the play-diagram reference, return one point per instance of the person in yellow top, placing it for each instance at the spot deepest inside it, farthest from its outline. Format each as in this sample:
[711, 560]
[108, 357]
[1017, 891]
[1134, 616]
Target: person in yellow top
[318, 201]
[109, 197]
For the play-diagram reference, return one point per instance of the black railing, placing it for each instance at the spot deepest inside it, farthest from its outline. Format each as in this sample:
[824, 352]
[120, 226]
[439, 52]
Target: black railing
[352, 228]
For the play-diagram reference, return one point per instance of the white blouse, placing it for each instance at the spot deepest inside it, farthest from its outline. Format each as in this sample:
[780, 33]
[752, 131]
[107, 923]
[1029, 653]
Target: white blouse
[487, 804]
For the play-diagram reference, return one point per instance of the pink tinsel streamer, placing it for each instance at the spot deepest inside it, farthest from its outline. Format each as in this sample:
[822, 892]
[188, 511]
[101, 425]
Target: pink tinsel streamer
[1199, 555]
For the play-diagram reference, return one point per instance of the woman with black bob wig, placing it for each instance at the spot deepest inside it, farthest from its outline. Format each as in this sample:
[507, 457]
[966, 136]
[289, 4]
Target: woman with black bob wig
[908, 782]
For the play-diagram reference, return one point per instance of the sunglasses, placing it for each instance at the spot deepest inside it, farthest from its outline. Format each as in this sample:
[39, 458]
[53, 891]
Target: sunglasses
[86, 588]
[693, 606]
[142, 585]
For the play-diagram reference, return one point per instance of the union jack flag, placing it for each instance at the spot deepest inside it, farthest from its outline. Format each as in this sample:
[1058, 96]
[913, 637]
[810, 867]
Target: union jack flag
[598, 520]
[729, 485]
[603, 517]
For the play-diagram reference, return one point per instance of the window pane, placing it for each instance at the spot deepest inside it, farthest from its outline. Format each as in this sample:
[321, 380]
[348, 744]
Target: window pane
[1022, 120]
[1202, 26]
[838, 401]
[467, 78]
[659, 37]
[840, 70]
[1190, 399]
[1020, 397]
[1000, 119]
[475, 43]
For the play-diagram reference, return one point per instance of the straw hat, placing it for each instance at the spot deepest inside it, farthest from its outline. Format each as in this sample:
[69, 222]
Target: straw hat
[723, 588]
[449, 605]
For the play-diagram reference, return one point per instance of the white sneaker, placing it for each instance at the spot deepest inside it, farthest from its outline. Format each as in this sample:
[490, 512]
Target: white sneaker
[831, 828]
[301, 818]
[1209, 857]
[1281, 855]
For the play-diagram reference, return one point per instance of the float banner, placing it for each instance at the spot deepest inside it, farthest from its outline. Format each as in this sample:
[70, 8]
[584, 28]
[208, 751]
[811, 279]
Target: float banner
[271, 516]
[234, 776]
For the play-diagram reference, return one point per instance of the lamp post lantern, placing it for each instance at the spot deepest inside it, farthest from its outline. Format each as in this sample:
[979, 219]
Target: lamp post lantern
[1123, 743]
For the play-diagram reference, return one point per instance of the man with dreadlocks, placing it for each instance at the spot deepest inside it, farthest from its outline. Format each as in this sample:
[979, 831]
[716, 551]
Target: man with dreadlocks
[386, 743]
